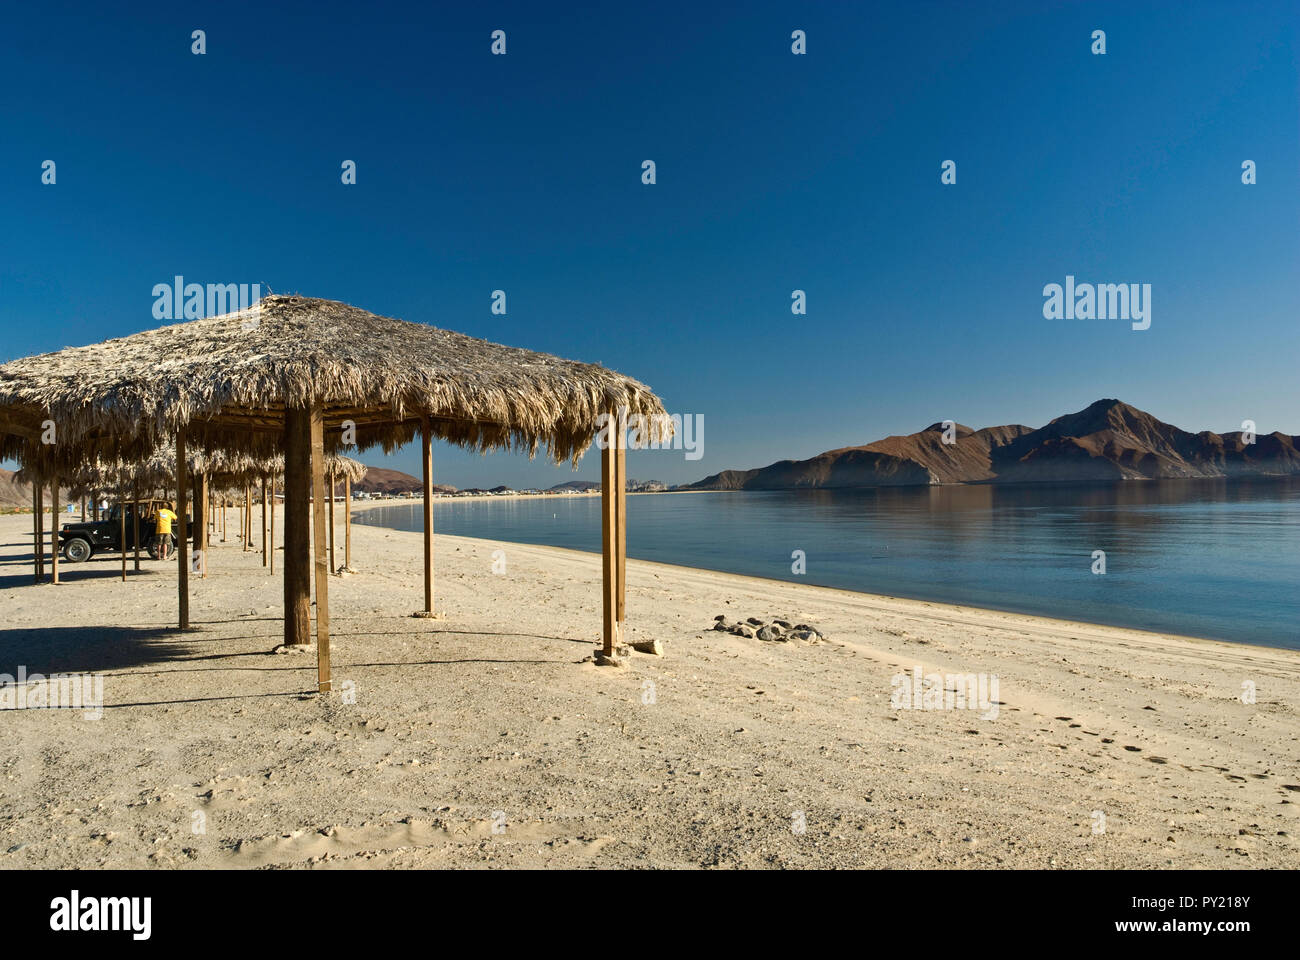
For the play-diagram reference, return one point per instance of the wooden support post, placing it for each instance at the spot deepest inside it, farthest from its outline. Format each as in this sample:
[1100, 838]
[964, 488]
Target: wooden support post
[245, 516]
[297, 537]
[271, 544]
[322, 572]
[347, 522]
[121, 523]
[264, 546]
[40, 530]
[200, 518]
[223, 516]
[333, 567]
[201, 528]
[608, 550]
[36, 533]
[182, 538]
[620, 539]
[135, 522]
[54, 529]
[426, 465]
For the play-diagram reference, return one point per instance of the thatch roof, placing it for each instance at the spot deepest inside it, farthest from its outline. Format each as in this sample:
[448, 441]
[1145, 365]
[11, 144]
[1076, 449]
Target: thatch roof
[229, 378]
[225, 470]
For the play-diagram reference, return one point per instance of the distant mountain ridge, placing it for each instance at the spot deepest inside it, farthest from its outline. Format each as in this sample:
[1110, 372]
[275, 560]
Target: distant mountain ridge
[12, 492]
[16, 493]
[1109, 440]
[384, 480]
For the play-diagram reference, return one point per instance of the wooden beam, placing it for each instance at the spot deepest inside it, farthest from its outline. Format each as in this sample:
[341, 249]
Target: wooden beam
[620, 540]
[38, 511]
[608, 548]
[54, 529]
[426, 468]
[135, 523]
[297, 536]
[333, 566]
[201, 528]
[323, 682]
[264, 547]
[28, 431]
[347, 522]
[271, 536]
[182, 540]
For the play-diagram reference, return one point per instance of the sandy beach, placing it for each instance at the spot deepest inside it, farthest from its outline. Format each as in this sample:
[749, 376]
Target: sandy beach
[488, 738]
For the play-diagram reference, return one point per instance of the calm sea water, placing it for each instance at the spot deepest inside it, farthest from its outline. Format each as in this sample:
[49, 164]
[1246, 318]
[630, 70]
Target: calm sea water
[1202, 558]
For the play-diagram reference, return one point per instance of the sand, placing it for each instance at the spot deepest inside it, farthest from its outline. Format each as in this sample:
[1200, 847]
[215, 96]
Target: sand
[488, 738]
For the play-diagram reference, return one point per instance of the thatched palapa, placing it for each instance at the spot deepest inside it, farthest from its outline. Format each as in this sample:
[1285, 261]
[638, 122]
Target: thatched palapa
[379, 373]
[305, 378]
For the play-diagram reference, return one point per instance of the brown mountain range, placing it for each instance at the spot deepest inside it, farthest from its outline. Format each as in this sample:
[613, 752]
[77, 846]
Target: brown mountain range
[13, 493]
[1108, 440]
[384, 480]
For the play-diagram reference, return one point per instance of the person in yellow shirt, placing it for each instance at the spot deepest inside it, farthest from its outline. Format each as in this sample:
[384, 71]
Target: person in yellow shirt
[162, 530]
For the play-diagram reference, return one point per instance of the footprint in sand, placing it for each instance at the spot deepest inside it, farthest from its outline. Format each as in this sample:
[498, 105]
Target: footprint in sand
[1157, 759]
[1133, 749]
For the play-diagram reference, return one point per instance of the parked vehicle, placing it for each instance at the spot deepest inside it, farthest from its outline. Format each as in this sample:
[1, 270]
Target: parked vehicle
[83, 540]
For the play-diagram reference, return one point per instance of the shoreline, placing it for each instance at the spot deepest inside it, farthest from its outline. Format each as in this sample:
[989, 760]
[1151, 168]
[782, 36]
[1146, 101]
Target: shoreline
[452, 498]
[1191, 638]
[885, 599]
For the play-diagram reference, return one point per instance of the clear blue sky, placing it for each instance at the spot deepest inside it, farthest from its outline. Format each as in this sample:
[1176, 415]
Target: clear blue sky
[775, 172]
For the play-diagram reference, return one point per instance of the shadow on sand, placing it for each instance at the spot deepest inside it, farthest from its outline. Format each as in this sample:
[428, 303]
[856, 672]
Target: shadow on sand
[92, 649]
[12, 580]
